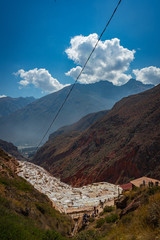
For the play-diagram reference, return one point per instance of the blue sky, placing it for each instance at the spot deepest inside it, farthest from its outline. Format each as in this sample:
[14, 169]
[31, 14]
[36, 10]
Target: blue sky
[35, 35]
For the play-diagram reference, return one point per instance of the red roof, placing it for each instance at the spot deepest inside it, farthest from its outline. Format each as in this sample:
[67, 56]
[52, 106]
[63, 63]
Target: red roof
[126, 186]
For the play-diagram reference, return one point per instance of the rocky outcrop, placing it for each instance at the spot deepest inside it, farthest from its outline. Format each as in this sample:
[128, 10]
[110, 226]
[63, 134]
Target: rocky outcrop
[132, 206]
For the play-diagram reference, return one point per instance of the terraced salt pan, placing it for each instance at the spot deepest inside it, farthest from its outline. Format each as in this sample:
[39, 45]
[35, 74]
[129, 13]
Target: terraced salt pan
[63, 196]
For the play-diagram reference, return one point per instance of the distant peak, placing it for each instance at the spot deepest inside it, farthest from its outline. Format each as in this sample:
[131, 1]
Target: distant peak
[133, 82]
[104, 82]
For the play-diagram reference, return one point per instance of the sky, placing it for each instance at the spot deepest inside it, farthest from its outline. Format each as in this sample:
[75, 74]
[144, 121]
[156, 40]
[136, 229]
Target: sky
[44, 44]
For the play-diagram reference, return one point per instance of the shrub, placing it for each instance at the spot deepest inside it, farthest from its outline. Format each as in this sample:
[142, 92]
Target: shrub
[87, 235]
[153, 190]
[111, 218]
[100, 222]
[91, 219]
[52, 235]
[153, 215]
[22, 185]
[4, 202]
[101, 213]
[108, 209]
[127, 219]
[4, 181]
[40, 208]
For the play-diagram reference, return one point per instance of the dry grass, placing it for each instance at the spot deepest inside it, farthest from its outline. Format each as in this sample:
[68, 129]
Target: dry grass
[141, 224]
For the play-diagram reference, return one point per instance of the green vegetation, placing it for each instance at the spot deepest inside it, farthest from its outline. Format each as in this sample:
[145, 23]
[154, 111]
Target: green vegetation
[91, 219]
[100, 222]
[17, 227]
[108, 209]
[26, 214]
[21, 227]
[18, 184]
[87, 235]
[142, 223]
[111, 218]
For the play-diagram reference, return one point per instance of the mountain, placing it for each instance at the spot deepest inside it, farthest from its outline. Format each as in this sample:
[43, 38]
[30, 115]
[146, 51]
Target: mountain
[9, 105]
[122, 145]
[25, 213]
[28, 125]
[11, 149]
[79, 126]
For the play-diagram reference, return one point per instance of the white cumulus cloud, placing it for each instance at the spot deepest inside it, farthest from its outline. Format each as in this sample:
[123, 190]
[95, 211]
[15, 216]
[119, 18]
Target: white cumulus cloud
[148, 75]
[40, 78]
[109, 62]
[3, 96]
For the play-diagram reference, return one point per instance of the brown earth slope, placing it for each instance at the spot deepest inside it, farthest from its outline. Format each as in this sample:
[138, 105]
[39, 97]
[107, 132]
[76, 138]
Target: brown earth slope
[123, 145]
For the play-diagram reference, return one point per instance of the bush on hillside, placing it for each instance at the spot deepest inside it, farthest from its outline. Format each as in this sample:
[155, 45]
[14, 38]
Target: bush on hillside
[153, 215]
[100, 222]
[87, 235]
[111, 218]
[108, 209]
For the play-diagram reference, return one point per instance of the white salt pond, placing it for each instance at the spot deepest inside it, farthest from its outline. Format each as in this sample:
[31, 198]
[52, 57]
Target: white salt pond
[64, 197]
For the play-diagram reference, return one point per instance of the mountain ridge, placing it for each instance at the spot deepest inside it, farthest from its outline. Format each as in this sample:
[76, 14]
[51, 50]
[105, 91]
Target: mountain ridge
[81, 125]
[9, 105]
[28, 125]
[11, 149]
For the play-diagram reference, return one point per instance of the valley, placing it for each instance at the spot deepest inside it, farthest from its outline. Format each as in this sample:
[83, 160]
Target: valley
[66, 199]
[80, 120]
[72, 184]
[122, 145]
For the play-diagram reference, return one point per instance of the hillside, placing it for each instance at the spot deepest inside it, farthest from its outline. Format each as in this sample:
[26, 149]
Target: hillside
[138, 218]
[122, 145]
[25, 213]
[79, 126]
[28, 125]
[11, 149]
[9, 105]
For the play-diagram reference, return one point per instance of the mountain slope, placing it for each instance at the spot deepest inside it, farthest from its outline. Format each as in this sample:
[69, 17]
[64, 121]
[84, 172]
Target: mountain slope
[81, 125]
[25, 213]
[123, 144]
[11, 149]
[9, 105]
[136, 217]
[28, 125]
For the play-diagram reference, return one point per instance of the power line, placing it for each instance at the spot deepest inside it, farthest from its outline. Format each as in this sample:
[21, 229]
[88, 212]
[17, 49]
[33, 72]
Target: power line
[71, 89]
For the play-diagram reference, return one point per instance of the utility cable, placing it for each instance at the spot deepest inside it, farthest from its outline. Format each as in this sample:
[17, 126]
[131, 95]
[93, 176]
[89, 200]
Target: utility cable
[73, 85]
